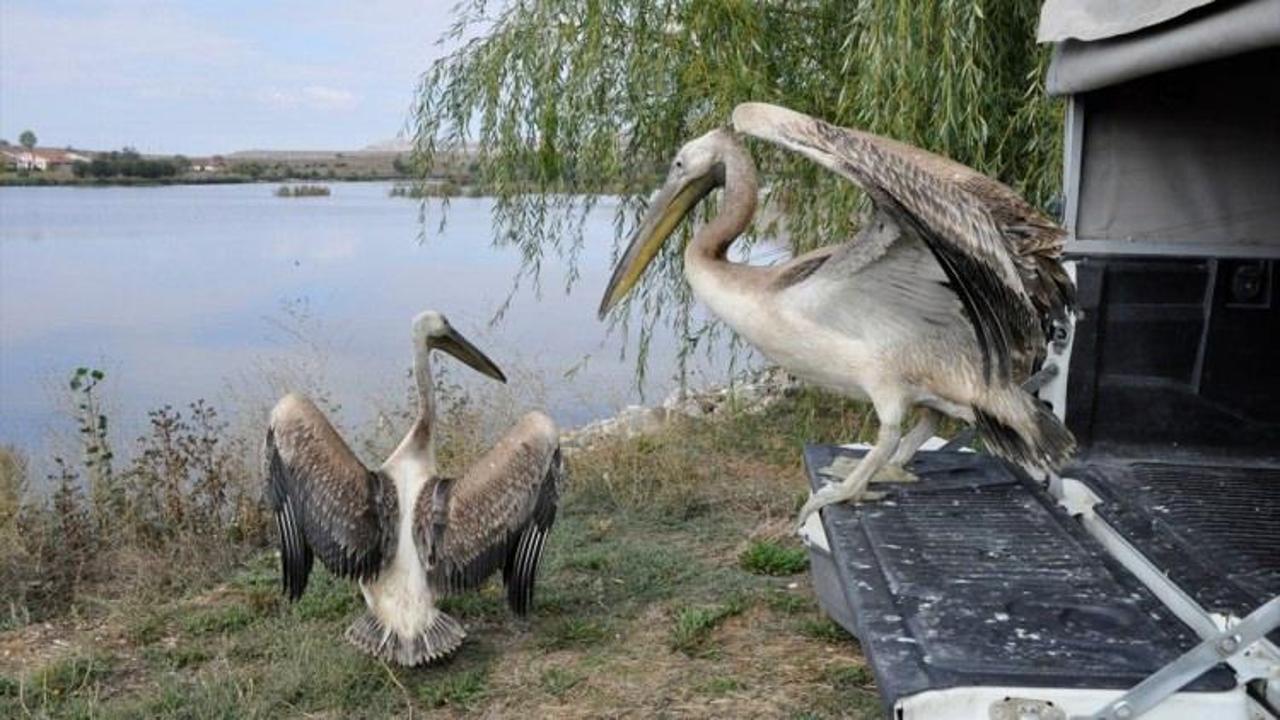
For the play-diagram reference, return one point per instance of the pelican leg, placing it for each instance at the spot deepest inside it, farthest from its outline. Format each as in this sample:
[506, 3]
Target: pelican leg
[895, 470]
[854, 487]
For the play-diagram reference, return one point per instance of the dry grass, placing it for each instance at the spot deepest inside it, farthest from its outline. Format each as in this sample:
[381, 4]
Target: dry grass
[644, 609]
[184, 509]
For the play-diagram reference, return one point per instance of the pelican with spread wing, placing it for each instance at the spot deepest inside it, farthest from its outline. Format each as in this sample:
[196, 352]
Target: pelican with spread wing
[406, 534]
[942, 302]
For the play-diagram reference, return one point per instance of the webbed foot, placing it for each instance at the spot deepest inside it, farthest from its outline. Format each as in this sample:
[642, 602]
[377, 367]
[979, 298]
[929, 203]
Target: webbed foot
[833, 494]
[895, 474]
[841, 468]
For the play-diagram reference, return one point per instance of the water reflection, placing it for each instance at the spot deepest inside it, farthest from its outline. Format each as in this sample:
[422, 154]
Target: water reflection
[188, 292]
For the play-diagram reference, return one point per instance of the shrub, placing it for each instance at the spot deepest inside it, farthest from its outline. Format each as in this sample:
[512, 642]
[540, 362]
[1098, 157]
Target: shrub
[303, 191]
[186, 507]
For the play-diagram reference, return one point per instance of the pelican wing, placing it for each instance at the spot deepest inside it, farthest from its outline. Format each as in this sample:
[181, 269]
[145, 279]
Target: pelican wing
[885, 279]
[999, 254]
[498, 514]
[326, 502]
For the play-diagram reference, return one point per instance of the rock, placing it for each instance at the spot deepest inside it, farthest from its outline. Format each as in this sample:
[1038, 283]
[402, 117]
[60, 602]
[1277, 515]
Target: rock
[753, 394]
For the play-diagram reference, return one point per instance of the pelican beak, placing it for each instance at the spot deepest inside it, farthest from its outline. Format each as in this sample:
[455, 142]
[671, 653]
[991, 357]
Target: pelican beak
[452, 342]
[672, 203]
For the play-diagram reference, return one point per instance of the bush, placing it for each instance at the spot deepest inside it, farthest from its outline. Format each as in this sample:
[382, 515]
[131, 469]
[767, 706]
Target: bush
[302, 191]
[14, 562]
[129, 163]
[435, 188]
[185, 508]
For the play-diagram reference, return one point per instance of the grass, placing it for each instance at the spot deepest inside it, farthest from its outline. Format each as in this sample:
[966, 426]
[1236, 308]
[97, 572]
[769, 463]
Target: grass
[694, 625]
[652, 600]
[849, 676]
[720, 685]
[217, 620]
[769, 557]
[790, 603]
[558, 681]
[463, 689]
[823, 629]
[571, 632]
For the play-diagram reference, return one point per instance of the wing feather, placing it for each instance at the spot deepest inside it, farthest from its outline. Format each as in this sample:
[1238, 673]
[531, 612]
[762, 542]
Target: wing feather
[999, 254]
[903, 293]
[499, 514]
[326, 502]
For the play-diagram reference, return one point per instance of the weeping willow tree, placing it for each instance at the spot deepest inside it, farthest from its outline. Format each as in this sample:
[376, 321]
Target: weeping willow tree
[565, 99]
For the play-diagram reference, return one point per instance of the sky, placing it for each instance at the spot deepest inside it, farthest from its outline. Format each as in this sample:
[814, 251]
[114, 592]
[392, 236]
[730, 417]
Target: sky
[199, 78]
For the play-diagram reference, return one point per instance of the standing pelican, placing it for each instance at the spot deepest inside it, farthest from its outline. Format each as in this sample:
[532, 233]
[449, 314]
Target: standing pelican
[941, 302]
[407, 535]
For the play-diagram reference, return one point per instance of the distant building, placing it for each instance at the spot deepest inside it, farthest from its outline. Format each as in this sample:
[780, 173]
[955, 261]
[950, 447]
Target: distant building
[57, 158]
[20, 158]
[208, 164]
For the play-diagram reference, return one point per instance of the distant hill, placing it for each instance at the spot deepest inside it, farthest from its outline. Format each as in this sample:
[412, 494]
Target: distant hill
[398, 145]
[307, 155]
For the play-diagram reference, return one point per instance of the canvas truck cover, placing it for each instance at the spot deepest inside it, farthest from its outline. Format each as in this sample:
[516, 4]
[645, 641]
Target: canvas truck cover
[1177, 105]
[1102, 42]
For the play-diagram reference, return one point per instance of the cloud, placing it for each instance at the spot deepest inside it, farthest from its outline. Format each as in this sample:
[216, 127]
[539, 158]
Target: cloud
[329, 98]
[194, 77]
[110, 45]
[311, 97]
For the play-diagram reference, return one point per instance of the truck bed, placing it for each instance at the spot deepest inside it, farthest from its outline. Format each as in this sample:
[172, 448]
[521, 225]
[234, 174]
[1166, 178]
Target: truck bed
[975, 576]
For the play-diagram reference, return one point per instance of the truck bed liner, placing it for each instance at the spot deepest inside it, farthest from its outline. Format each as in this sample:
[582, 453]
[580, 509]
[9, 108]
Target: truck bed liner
[976, 577]
[1215, 529]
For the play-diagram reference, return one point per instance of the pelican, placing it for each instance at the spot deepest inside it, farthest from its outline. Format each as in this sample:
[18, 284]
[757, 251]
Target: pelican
[941, 302]
[406, 534]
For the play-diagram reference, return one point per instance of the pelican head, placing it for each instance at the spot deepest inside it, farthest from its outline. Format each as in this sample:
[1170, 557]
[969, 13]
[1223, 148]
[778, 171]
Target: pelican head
[698, 169]
[432, 331]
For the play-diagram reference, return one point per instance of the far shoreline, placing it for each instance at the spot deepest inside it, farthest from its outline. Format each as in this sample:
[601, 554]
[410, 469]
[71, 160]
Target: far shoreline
[8, 180]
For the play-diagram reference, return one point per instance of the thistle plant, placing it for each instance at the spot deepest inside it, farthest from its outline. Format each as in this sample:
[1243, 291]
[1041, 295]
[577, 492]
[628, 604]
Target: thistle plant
[105, 495]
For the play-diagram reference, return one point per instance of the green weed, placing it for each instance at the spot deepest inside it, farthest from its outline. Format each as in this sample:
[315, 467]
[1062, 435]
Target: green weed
[146, 628]
[694, 625]
[217, 620]
[847, 677]
[328, 598]
[557, 681]
[69, 676]
[823, 629]
[572, 632]
[769, 557]
[789, 603]
[182, 656]
[462, 689]
[485, 603]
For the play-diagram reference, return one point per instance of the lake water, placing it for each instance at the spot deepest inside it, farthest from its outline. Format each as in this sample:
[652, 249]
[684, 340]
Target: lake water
[229, 293]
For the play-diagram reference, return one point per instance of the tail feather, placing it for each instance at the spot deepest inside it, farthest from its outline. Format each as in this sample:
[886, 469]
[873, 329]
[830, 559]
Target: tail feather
[438, 641]
[1033, 437]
